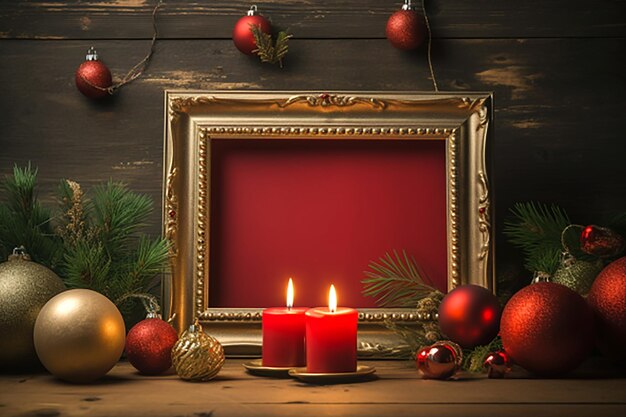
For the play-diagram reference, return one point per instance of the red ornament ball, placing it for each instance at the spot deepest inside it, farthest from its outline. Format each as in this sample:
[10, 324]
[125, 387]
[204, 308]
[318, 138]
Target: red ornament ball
[547, 329]
[242, 35]
[607, 299]
[601, 241]
[406, 29]
[93, 78]
[470, 316]
[497, 364]
[439, 361]
[149, 346]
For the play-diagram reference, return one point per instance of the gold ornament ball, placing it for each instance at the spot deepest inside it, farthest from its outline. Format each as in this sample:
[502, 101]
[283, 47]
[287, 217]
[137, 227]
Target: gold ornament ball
[197, 356]
[25, 287]
[79, 335]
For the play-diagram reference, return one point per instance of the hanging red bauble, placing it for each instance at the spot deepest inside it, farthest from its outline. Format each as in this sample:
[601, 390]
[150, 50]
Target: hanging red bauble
[439, 361]
[242, 35]
[93, 78]
[149, 345]
[406, 28]
[497, 364]
[470, 316]
[547, 328]
[607, 300]
[601, 241]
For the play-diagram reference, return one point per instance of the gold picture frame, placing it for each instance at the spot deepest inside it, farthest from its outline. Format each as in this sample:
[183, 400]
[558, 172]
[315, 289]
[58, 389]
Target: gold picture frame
[194, 118]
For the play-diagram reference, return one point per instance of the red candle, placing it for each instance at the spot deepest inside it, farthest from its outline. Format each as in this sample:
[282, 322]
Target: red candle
[331, 337]
[283, 334]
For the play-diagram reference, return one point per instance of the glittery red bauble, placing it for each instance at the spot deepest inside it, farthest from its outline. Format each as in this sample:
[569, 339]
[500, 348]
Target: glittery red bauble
[439, 361]
[90, 74]
[406, 30]
[607, 299]
[470, 316]
[547, 328]
[242, 35]
[149, 346]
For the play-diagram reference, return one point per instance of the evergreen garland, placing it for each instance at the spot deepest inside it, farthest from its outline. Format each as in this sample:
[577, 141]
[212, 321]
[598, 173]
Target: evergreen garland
[90, 243]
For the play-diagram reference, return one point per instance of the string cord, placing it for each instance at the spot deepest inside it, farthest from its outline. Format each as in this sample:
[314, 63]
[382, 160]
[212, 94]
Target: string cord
[430, 41]
[136, 71]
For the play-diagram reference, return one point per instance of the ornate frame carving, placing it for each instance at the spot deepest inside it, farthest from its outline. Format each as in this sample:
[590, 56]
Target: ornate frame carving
[192, 119]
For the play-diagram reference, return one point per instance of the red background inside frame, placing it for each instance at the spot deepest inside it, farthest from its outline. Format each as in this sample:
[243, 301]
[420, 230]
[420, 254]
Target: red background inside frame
[320, 211]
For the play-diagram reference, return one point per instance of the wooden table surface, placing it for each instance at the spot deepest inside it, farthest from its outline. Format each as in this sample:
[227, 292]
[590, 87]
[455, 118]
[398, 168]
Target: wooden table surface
[397, 390]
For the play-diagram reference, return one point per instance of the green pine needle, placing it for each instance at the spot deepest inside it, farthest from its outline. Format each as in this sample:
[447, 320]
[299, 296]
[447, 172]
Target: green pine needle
[473, 359]
[94, 242]
[24, 221]
[536, 229]
[266, 49]
[396, 281]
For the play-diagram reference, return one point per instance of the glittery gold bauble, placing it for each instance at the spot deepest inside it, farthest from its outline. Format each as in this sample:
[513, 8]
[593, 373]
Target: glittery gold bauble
[25, 286]
[577, 275]
[197, 356]
[79, 335]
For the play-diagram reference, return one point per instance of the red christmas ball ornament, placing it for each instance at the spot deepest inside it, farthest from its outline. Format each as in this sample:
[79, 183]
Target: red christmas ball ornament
[547, 329]
[242, 35]
[601, 241]
[470, 316]
[607, 299]
[441, 360]
[406, 28]
[149, 345]
[497, 364]
[93, 78]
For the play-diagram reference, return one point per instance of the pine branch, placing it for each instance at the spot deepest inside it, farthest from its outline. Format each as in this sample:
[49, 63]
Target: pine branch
[266, 49]
[536, 229]
[118, 214]
[24, 221]
[396, 281]
[87, 266]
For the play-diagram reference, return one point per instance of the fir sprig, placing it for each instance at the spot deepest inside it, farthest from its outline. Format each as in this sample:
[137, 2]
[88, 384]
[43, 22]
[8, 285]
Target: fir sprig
[397, 281]
[268, 50]
[24, 221]
[536, 229]
[92, 242]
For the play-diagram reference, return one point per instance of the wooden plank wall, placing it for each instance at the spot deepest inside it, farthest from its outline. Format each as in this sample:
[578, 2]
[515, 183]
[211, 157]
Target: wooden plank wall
[553, 66]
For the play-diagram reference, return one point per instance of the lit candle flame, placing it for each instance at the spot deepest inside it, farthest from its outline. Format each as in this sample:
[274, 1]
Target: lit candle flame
[290, 294]
[332, 299]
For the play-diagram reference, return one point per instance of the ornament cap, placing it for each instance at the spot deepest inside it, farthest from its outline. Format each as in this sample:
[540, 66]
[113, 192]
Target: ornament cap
[153, 315]
[407, 5]
[92, 55]
[253, 10]
[19, 253]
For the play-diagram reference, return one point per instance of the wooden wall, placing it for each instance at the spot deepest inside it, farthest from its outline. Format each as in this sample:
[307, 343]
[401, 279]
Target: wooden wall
[554, 67]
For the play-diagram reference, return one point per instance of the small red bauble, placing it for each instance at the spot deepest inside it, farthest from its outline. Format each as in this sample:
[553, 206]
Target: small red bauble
[601, 241]
[242, 35]
[405, 28]
[149, 345]
[93, 78]
[497, 364]
[607, 299]
[470, 316]
[547, 329]
[439, 361]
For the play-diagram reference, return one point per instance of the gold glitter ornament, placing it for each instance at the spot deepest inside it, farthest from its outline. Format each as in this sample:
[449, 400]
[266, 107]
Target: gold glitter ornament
[577, 274]
[197, 356]
[25, 286]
